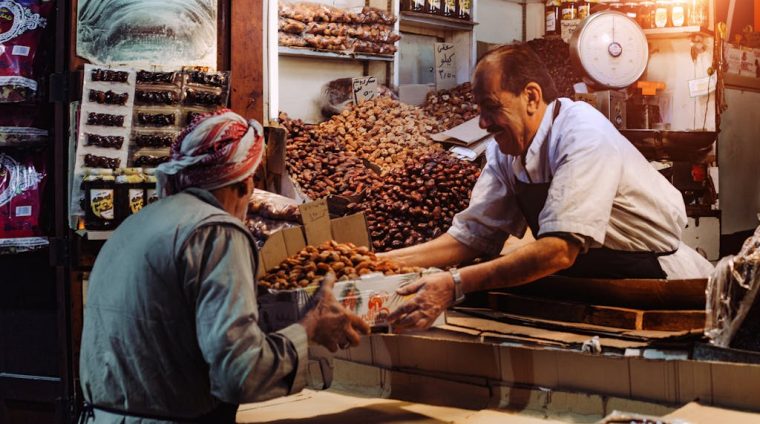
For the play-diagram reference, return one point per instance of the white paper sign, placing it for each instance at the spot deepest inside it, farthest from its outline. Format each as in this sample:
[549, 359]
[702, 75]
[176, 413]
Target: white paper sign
[445, 66]
[702, 86]
[365, 88]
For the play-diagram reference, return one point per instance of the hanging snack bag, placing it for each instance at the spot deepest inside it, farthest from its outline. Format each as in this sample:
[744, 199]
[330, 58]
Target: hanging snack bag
[22, 26]
[21, 184]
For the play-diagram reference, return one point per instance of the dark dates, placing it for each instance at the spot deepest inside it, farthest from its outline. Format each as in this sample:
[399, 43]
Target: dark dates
[108, 75]
[154, 140]
[156, 119]
[204, 98]
[108, 97]
[94, 161]
[164, 97]
[147, 77]
[150, 161]
[107, 141]
[105, 119]
[211, 80]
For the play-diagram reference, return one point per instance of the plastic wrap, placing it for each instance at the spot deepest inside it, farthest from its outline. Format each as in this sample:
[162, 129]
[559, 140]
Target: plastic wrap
[21, 28]
[269, 213]
[338, 94]
[731, 297]
[21, 185]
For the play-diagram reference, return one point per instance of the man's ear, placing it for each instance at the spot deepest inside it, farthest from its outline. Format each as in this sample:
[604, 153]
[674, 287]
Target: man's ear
[241, 187]
[534, 97]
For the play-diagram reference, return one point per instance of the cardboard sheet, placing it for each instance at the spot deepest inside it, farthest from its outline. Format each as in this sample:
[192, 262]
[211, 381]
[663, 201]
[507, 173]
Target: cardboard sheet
[464, 134]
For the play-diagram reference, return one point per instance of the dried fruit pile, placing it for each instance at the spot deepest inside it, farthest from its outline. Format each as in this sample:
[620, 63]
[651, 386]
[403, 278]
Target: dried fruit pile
[310, 265]
[418, 202]
[384, 131]
[555, 54]
[449, 108]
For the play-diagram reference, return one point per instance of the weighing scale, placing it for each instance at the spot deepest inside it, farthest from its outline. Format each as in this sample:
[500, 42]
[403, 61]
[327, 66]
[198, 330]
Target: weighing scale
[611, 48]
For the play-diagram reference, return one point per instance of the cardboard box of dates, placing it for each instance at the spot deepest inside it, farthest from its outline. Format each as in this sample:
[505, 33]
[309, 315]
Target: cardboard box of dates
[293, 261]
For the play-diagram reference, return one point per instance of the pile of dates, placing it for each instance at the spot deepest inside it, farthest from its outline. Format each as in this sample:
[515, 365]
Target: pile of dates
[556, 56]
[310, 265]
[449, 108]
[418, 202]
[321, 166]
[383, 131]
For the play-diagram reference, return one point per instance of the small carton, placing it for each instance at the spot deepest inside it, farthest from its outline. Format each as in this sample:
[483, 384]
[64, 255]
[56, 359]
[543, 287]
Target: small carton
[366, 297]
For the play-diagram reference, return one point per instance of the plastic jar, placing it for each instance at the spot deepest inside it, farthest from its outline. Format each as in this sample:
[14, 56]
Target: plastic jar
[584, 9]
[631, 9]
[645, 17]
[465, 8]
[662, 14]
[569, 10]
[551, 17]
[99, 209]
[678, 13]
[450, 8]
[151, 195]
[433, 7]
[130, 193]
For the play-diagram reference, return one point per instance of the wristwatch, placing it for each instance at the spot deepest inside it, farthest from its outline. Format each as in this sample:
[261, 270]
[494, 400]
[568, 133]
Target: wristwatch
[458, 293]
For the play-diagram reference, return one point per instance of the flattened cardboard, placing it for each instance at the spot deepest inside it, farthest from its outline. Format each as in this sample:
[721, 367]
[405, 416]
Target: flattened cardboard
[351, 229]
[694, 413]
[464, 134]
[316, 221]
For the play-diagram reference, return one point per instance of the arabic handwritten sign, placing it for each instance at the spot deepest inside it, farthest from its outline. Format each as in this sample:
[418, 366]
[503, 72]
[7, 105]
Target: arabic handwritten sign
[445, 66]
[365, 88]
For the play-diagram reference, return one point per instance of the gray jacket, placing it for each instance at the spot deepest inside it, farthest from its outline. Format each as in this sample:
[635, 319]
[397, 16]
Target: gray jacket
[170, 325]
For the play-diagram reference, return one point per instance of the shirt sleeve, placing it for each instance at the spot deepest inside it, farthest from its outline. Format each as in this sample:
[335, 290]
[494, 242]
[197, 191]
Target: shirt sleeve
[492, 214]
[587, 172]
[245, 364]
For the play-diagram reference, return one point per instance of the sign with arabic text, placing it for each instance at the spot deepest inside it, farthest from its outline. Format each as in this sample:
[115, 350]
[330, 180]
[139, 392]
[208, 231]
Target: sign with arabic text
[445, 66]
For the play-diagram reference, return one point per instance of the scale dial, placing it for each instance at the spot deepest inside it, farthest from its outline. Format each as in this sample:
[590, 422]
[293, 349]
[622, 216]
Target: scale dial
[611, 48]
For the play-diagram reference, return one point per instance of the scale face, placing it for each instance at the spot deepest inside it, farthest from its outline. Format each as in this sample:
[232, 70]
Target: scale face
[611, 48]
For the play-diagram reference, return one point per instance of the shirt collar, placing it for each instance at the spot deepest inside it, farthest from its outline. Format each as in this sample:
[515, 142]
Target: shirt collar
[204, 195]
[543, 130]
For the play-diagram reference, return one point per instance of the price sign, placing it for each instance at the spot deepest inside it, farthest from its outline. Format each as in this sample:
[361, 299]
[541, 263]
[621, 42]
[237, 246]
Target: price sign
[365, 88]
[445, 66]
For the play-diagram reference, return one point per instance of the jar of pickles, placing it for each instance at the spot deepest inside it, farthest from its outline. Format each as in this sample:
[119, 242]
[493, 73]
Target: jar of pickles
[678, 13]
[631, 9]
[449, 8]
[645, 16]
[698, 13]
[584, 9]
[465, 7]
[662, 14]
[433, 7]
[551, 15]
[569, 10]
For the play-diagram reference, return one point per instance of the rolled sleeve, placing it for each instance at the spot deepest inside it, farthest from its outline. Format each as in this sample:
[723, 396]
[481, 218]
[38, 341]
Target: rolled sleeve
[492, 214]
[296, 334]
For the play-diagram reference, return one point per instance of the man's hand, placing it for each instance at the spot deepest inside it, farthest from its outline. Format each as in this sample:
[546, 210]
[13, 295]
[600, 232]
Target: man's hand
[330, 324]
[435, 292]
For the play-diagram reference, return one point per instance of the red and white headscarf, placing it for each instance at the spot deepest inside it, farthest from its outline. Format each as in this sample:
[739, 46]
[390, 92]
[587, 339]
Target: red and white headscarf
[215, 150]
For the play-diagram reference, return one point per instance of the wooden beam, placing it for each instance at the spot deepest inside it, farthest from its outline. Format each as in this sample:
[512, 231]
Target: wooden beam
[605, 316]
[757, 15]
[247, 58]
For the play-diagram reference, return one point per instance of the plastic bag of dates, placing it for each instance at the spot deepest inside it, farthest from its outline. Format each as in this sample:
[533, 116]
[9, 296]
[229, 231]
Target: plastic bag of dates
[21, 184]
[22, 26]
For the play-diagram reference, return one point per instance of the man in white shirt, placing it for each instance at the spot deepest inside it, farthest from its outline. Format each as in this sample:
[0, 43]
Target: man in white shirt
[595, 205]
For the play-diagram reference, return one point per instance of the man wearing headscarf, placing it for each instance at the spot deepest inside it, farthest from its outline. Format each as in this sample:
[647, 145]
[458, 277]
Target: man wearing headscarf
[170, 330]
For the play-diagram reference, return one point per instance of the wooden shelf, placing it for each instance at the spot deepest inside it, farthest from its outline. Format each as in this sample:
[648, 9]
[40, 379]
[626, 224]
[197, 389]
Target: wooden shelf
[94, 235]
[435, 22]
[318, 54]
[677, 32]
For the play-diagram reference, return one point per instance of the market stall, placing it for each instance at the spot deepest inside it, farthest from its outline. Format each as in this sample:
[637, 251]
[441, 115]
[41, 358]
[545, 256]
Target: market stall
[373, 145]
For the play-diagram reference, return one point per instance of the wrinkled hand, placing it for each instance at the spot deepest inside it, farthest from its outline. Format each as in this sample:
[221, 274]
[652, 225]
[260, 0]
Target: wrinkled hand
[434, 293]
[330, 324]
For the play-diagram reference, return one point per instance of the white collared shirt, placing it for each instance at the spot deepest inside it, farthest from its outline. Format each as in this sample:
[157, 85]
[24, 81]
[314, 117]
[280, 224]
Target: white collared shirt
[602, 189]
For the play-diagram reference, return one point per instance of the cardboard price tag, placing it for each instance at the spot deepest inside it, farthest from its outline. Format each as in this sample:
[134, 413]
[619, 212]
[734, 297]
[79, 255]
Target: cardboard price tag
[365, 88]
[316, 221]
[445, 66]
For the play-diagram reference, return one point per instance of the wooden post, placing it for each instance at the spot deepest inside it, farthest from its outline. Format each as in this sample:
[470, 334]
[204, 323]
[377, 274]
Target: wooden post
[756, 24]
[246, 58]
